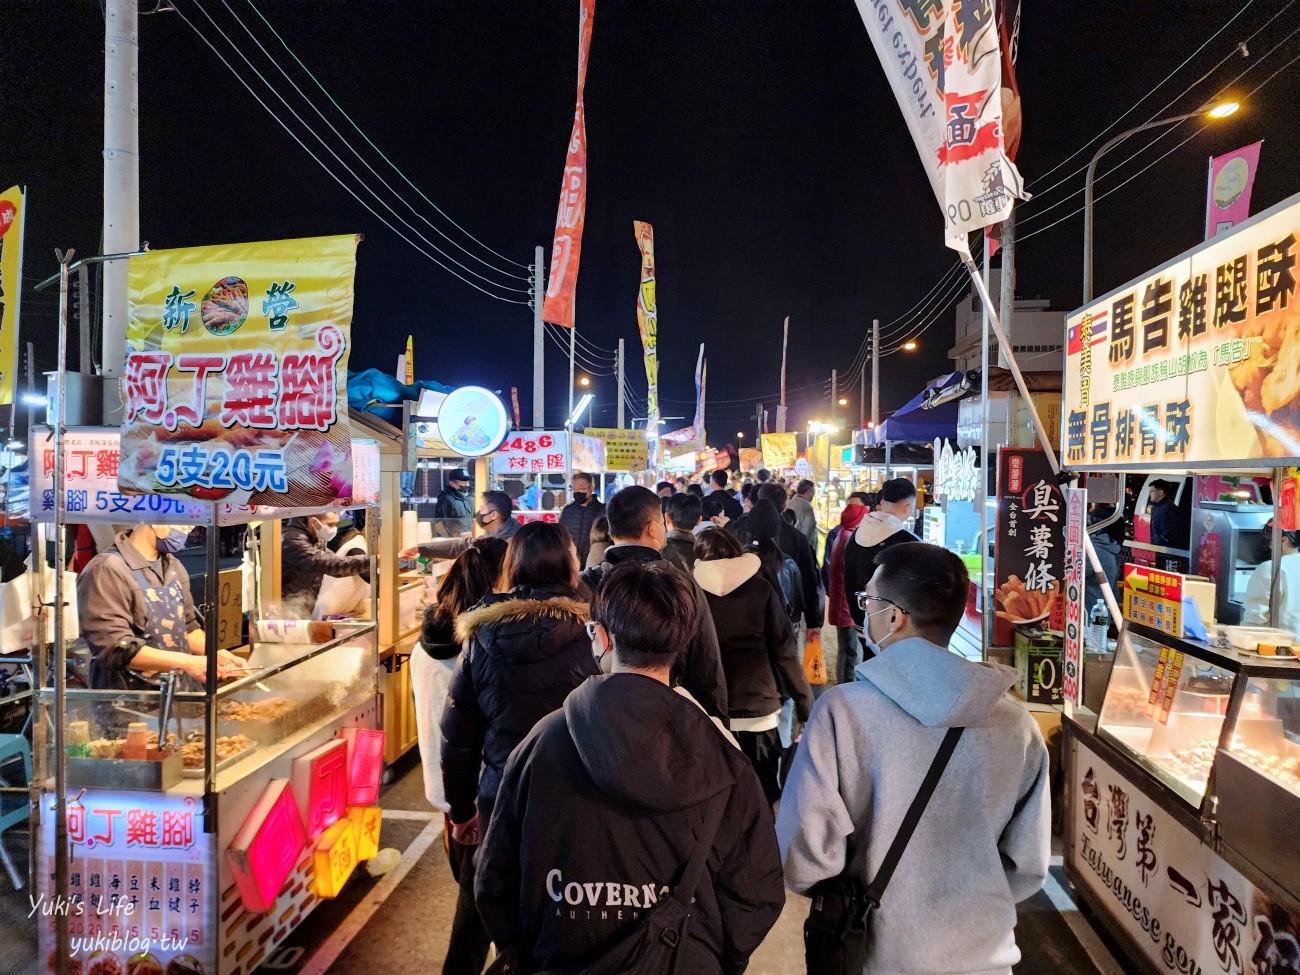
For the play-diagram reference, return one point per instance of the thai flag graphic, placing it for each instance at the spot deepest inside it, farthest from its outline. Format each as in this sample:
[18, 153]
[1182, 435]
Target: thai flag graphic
[1074, 343]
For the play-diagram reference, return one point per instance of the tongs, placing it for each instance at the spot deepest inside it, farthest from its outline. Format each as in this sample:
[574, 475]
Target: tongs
[166, 693]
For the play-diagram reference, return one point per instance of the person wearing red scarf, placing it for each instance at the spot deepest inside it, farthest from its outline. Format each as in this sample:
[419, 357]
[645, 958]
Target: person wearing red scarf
[848, 647]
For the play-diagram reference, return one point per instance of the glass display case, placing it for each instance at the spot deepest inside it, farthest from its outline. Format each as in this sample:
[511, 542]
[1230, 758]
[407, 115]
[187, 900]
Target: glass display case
[1167, 705]
[412, 596]
[1267, 735]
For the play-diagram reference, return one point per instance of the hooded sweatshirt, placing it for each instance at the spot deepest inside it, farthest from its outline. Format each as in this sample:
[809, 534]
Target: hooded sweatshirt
[878, 530]
[754, 637]
[525, 651]
[983, 842]
[597, 816]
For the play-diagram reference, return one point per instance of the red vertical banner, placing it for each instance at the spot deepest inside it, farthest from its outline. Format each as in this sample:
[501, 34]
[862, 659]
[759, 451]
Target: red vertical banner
[572, 213]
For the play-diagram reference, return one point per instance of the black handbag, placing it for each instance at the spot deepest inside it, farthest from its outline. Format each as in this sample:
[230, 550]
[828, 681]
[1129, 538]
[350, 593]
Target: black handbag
[837, 932]
[650, 945]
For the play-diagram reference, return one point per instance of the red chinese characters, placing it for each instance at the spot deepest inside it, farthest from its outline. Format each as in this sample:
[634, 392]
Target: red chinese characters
[308, 396]
[145, 385]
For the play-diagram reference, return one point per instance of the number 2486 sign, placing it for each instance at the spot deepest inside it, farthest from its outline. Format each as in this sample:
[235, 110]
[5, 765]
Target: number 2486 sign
[540, 452]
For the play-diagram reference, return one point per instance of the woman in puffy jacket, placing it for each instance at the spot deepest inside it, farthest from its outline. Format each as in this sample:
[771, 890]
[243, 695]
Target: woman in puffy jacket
[526, 648]
[760, 652]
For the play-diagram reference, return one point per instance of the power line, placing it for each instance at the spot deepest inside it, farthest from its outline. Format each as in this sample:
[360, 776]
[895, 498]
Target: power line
[301, 121]
[372, 145]
[436, 229]
[351, 192]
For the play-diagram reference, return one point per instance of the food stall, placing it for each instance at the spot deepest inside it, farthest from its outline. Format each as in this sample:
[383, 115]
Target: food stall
[180, 825]
[1183, 783]
[462, 426]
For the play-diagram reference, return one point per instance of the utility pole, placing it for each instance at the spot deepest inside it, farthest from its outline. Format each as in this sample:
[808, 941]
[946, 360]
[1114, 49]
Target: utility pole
[862, 394]
[573, 339]
[1007, 301]
[780, 410]
[835, 393]
[875, 373]
[121, 229]
[758, 424]
[539, 343]
[83, 319]
[622, 382]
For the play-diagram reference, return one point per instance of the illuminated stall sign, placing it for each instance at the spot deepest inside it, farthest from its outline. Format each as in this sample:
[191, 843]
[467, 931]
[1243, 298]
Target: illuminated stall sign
[366, 821]
[956, 472]
[335, 857]
[320, 784]
[625, 450]
[779, 450]
[365, 765]
[535, 452]
[472, 421]
[1195, 363]
[235, 382]
[1029, 564]
[140, 879]
[91, 458]
[1182, 906]
[1075, 588]
[266, 848]
[1154, 597]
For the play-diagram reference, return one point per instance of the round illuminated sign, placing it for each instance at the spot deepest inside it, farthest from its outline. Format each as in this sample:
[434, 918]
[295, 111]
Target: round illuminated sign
[472, 421]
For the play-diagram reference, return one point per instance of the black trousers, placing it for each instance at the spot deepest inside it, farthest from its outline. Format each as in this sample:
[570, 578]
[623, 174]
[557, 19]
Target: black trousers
[763, 748]
[467, 953]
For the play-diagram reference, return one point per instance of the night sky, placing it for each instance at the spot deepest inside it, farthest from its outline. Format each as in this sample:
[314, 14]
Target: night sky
[759, 137]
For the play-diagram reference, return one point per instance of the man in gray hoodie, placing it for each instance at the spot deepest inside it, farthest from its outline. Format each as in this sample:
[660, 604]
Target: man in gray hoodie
[983, 843]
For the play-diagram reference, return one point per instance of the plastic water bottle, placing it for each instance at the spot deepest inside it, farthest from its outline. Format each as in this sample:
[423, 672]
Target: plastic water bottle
[1098, 627]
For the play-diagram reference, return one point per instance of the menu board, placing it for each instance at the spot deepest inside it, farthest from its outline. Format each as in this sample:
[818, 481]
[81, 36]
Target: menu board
[1030, 556]
[625, 450]
[1154, 597]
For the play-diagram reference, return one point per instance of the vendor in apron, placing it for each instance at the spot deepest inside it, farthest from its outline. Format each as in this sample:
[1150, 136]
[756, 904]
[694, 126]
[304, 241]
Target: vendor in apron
[137, 614]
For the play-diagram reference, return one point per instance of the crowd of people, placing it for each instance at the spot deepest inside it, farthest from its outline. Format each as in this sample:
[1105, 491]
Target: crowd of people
[607, 706]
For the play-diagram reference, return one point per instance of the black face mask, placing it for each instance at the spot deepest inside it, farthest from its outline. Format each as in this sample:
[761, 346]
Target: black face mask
[580, 497]
[484, 519]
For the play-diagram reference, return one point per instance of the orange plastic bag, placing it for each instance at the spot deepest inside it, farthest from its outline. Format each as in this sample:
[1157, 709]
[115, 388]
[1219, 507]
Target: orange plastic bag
[814, 661]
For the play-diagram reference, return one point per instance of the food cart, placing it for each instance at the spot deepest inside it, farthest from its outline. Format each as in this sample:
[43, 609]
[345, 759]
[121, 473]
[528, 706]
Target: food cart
[206, 860]
[1183, 780]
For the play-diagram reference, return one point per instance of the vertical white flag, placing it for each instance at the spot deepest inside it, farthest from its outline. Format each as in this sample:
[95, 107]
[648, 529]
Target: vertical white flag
[943, 61]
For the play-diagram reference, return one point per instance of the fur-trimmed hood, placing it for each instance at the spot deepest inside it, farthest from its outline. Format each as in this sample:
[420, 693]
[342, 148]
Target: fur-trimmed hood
[525, 624]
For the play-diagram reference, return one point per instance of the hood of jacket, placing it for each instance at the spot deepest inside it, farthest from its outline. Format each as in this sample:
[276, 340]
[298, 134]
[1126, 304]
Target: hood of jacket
[875, 527]
[525, 624]
[621, 552]
[935, 686]
[722, 577]
[641, 743]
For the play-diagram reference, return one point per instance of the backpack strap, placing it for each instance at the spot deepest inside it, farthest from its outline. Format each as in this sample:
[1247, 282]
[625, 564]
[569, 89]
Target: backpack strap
[876, 890]
[694, 872]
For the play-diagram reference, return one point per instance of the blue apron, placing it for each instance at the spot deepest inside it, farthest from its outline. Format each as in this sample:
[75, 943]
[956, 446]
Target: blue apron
[164, 630]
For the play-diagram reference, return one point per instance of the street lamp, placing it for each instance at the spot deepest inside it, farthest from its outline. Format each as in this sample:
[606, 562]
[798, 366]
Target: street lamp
[740, 434]
[1213, 110]
[910, 345]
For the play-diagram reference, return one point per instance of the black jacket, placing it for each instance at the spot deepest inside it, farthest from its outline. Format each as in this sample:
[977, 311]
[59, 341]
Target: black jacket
[680, 550]
[732, 508]
[597, 816]
[438, 635]
[579, 518]
[860, 559]
[792, 543]
[454, 504]
[699, 669]
[304, 562]
[754, 636]
[527, 649]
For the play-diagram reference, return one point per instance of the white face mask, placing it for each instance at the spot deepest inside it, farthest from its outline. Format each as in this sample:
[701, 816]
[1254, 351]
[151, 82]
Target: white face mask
[325, 533]
[868, 642]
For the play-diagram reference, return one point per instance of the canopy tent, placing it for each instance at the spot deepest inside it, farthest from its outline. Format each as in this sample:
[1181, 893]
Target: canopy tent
[377, 392]
[913, 423]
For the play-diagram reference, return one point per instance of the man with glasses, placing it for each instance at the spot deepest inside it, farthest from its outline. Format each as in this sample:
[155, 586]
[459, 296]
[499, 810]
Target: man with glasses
[983, 839]
[492, 516]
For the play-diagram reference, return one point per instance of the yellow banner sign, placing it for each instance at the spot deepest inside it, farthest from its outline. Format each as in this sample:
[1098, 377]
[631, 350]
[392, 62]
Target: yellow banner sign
[235, 384]
[625, 450]
[11, 274]
[779, 450]
[647, 318]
